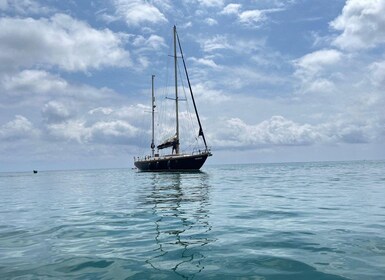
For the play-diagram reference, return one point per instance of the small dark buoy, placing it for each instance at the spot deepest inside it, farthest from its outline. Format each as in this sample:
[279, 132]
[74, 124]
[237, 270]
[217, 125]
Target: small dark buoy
[35, 171]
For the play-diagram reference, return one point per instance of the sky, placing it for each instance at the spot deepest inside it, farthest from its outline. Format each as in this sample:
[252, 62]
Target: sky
[274, 80]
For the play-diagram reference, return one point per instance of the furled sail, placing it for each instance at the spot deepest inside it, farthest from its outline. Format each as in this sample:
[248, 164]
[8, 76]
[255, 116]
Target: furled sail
[170, 142]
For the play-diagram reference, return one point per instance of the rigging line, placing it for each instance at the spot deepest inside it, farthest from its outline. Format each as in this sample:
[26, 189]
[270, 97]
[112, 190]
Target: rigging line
[145, 123]
[189, 114]
[190, 124]
[192, 96]
[190, 127]
[163, 118]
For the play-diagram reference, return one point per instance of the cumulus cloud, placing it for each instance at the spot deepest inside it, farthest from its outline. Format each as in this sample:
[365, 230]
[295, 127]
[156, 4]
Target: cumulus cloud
[118, 131]
[154, 42]
[315, 61]
[275, 131]
[250, 18]
[18, 129]
[101, 125]
[104, 132]
[55, 112]
[70, 130]
[231, 9]
[377, 73]
[135, 12]
[362, 24]
[39, 86]
[206, 93]
[32, 81]
[353, 134]
[60, 41]
[315, 70]
[279, 131]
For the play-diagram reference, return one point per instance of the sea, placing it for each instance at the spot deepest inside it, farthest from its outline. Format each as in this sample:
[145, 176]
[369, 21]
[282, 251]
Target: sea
[319, 220]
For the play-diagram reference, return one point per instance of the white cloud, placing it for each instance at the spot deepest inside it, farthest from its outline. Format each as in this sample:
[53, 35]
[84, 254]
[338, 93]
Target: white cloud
[165, 5]
[28, 82]
[30, 87]
[134, 114]
[55, 112]
[318, 85]
[315, 70]
[154, 42]
[205, 93]
[205, 61]
[215, 43]
[252, 17]
[117, 131]
[70, 130]
[275, 131]
[23, 6]
[225, 42]
[354, 134]
[136, 12]
[315, 61]
[279, 131]
[362, 24]
[107, 128]
[211, 3]
[59, 41]
[377, 73]
[102, 110]
[18, 129]
[100, 125]
[211, 21]
[231, 9]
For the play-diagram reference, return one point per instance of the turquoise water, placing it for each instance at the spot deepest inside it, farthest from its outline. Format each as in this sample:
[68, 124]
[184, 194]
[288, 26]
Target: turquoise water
[263, 221]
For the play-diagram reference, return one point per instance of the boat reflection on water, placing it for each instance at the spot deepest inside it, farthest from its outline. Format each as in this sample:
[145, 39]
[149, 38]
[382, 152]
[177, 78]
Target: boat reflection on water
[181, 222]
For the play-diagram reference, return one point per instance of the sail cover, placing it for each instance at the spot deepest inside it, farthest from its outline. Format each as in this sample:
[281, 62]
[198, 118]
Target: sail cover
[170, 142]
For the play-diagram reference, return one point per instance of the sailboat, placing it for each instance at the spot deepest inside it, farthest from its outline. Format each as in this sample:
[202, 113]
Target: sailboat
[176, 161]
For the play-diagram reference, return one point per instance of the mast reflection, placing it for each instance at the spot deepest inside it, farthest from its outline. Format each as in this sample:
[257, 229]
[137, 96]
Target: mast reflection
[181, 220]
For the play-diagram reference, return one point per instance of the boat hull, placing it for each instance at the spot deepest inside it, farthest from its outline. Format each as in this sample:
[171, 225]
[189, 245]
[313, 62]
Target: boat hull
[172, 163]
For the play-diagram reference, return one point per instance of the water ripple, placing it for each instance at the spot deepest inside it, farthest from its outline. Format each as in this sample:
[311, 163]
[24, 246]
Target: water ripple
[264, 221]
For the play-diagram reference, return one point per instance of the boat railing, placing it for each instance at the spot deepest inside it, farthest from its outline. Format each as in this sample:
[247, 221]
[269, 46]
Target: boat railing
[201, 151]
[194, 152]
[142, 158]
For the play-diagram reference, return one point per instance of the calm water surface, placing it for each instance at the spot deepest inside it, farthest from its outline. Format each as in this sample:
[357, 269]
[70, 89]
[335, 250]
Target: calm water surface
[265, 221]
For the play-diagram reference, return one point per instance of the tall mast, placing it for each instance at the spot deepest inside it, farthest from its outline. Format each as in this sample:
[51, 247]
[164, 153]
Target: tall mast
[176, 94]
[153, 114]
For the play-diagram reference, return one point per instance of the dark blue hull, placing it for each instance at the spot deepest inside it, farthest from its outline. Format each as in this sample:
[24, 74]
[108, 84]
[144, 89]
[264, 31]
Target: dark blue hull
[173, 163]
